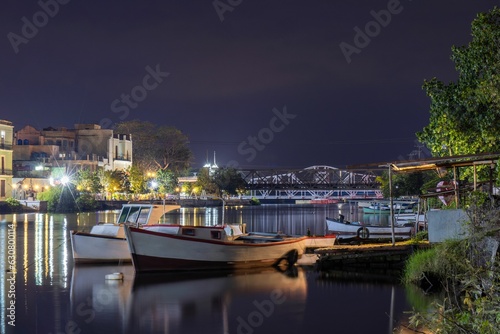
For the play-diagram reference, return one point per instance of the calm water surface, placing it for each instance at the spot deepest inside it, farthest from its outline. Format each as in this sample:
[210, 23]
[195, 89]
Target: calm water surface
[42, 291]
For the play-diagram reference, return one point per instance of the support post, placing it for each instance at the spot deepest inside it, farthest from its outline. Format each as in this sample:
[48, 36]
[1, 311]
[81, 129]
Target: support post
[391, 205]
[455, 185]
[475, 177]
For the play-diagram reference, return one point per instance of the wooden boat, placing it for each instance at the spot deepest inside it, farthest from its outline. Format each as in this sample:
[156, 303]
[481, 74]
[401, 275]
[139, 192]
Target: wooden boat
[209, 247]
[320, 241]
[107, 243]
[344, 229]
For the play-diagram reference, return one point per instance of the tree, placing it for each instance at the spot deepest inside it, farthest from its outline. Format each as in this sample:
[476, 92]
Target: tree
[409, 184]
[465, 115]
[172, 149]
[167, 181]
[142, 141]
[229, 181]
[157, 147]
[88, 181]
[205, 182]
[115, 181]
[137, 180]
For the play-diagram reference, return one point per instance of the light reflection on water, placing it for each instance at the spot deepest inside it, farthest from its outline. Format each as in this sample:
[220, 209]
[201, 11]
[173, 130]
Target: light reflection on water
[54, 296]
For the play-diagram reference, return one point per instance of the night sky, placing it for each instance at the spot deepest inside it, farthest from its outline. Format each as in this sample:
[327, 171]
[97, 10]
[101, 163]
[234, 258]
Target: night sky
[265, 84]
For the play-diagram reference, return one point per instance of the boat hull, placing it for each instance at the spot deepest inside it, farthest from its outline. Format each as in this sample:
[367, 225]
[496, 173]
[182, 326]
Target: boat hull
[320, 241]
[357, 230]
[155, 251]
[370, 210]
[92, 248]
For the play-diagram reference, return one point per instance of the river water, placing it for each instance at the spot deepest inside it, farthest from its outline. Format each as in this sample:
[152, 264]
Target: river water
[42, 291]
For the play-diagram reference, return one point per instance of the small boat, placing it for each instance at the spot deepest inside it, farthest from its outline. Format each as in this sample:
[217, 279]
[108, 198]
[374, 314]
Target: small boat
[344, 229]
[106, 241]
[210, 247]
[377, 208]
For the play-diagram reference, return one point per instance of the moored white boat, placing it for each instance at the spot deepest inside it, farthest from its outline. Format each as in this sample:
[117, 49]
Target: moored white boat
[344, 229]
[377, 208]
[210, 247]
[107, 243]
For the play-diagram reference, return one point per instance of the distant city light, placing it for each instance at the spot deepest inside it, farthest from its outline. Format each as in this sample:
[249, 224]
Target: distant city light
[64, 179]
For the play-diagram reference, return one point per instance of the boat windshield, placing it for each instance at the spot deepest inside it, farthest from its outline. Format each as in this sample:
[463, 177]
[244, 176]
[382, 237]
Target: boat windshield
[136, 215]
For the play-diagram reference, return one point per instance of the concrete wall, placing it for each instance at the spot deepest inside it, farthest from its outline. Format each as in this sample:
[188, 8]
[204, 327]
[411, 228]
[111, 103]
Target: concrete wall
[446, 224]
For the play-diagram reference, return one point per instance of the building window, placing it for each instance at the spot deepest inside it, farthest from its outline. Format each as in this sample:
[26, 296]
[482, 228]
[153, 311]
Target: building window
[26, 142]
[19, 142]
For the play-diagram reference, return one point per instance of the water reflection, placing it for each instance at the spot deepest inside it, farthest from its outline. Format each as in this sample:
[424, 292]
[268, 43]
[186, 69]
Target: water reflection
[210, 302]
[54, 296]
[292, 219]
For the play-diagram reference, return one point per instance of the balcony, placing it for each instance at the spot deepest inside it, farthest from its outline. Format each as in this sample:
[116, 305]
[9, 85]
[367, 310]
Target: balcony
[122, 158]
[6, 172]
[6, 147]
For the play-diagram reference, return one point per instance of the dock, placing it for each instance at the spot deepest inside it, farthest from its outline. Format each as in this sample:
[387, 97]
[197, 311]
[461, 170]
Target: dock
[368, 256]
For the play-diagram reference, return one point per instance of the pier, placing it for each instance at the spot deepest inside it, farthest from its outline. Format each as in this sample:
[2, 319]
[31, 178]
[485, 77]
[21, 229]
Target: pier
[370, 256]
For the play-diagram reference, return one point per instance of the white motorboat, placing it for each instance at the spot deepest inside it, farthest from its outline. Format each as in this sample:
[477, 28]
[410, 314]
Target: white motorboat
[107, 243]
[344, 229]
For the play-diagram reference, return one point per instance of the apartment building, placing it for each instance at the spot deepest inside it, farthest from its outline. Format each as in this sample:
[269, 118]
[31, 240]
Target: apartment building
[88, 146]
[6, 153]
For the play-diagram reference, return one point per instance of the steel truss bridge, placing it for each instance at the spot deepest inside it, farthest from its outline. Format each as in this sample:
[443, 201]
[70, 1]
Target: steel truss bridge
[315, 182]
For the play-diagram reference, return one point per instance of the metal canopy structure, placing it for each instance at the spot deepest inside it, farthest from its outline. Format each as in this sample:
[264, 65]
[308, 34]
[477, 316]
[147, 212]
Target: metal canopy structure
[440, 165]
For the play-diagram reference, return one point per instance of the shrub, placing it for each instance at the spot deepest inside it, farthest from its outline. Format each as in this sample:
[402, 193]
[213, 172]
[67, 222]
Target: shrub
[13, 203]
[86, 202]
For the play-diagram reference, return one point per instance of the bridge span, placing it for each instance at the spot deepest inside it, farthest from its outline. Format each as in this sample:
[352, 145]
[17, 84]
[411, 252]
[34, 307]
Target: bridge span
[315, 182]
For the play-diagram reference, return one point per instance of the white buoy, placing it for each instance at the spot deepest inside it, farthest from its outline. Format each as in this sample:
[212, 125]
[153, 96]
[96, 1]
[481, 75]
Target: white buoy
[114, 276]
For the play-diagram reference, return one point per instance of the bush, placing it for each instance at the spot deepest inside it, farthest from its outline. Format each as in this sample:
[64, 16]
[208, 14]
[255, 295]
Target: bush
[13, 203]
[254, 201]
[60, 199]
[86, 202]
[466, 274]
